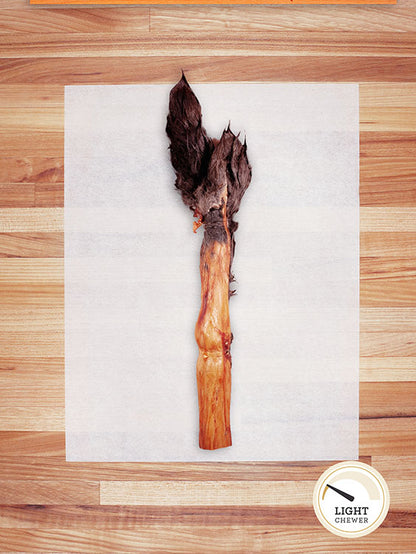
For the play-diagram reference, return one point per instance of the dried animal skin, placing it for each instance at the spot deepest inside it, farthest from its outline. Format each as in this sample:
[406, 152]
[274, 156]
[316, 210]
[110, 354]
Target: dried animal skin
[212, 176]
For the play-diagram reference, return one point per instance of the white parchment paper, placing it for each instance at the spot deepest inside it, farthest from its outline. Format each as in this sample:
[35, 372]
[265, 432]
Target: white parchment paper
[132, 289]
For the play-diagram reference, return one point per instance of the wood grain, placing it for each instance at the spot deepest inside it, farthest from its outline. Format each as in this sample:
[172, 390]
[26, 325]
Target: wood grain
[402, 469]
[126, 43]
[32, 443]
[130, 517]
[50, 468]
[134, 2]
[278, 18]
[32, 418]
[183, 539]
[386, 436]
[33, 245]
[394, 368]
[216, 493]
[372, 220]
[166, 69]
[48, 492]
[106, 20]
[50, 505]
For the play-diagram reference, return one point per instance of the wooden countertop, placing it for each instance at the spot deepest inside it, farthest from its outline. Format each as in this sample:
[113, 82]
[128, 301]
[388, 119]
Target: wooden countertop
[49, 505]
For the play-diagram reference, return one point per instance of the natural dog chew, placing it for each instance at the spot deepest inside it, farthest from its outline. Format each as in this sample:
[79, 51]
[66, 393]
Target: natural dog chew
[212, 176]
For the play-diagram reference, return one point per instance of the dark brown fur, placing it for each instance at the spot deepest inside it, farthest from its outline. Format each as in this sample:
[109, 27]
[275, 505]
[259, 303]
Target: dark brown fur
[204, 166]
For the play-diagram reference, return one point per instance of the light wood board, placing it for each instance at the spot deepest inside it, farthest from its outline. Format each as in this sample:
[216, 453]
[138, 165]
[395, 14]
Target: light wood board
[191, 2]
[48, 505]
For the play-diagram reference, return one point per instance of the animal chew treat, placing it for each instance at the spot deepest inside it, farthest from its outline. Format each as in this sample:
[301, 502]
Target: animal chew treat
[212, 176]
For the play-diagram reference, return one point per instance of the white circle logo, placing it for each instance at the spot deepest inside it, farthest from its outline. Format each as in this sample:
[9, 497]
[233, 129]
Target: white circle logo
[351, 499]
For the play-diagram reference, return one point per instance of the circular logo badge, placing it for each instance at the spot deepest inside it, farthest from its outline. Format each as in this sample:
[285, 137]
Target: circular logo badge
[351, 499]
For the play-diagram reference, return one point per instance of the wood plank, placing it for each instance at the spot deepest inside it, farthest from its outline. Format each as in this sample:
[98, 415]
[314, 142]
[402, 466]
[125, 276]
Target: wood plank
[73, 20]
[388, 107]
[196, 539]
[13, 4]
[24, 319]
[378, 175]
[398, 151]
[374, 192]
[31, 170]
[49, 195]
[388, 437]
[26, 371]
[17, 195]
[387, 400]
[33, 393]
[32, 443]
[387, 118]
[387, 95]
[135, 2]
[383, 437]
[379, 219]
[388, 344]
[393, 467]
[43, 271]
[268, 43]
[393, 245]
[25, 332]
[32, 96]
[27, 195]
[130, 517]
[18, 371]
[396, 369]
[25, 341]
[26, 467]
[162, 69]
[33, 366]
[378, 144]
[387, 320]
[400, 518]
[372, 320]
[31, 121]
[28, 142]
[388, 292]
[36, 119]
[32, 272]
[377, 400]
[379, 194]
[225, 493]
[50, 244]
[278, 18]
[371, 368]
[402, 494]
[26, 220]
[384, 219]
[379, 185]
[31, 245]
[32, 418]
[213, 493]
[386, 268]
[34, 296]
[49, 492]
[372, 95]
[394, 436]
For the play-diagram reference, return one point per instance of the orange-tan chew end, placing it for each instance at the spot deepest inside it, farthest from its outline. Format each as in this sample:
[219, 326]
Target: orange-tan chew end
[213, 335]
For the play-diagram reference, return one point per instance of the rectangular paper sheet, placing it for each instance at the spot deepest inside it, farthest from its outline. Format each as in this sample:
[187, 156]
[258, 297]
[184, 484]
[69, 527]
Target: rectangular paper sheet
[132, 284]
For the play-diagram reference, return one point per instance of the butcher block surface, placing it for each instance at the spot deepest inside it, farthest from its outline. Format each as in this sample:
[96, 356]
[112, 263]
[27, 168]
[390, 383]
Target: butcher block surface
[49, 505]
